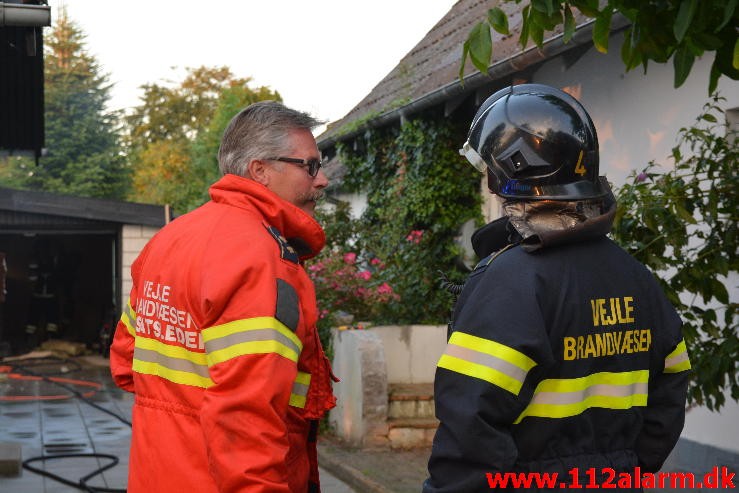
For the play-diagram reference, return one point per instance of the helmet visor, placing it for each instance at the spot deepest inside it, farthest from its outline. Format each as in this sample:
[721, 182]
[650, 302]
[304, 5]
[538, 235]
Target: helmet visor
[473, 157]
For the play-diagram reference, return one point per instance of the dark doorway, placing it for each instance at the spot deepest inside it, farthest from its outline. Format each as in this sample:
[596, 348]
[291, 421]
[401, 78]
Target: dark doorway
[58, 286]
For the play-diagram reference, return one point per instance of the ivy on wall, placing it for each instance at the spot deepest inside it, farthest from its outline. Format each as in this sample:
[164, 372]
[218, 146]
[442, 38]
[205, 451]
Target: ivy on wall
[419, 193]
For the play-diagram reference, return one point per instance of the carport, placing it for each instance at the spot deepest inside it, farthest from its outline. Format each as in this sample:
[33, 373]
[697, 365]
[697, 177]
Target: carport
[67, 260]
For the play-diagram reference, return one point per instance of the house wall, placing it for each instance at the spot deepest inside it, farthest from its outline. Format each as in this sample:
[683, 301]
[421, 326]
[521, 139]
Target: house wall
[357, 202]
[637, 116]
[411, 351]
[133, 239]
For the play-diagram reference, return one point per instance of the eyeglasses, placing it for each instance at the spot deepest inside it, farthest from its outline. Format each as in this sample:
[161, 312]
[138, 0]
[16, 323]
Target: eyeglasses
[313, 164]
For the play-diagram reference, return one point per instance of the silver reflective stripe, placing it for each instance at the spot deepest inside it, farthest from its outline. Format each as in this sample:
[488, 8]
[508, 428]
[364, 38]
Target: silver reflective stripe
[676, 360]
[300, 389]
[488, 360]
[177, 364]
[581, 395]
[130, 312]
[250, 336]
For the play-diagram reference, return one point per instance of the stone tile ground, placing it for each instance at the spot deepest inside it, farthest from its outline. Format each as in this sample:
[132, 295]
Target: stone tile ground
[374, 470]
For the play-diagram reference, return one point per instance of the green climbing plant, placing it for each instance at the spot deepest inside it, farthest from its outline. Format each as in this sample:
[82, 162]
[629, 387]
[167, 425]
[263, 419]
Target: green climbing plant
[419, 193]
[682, 222]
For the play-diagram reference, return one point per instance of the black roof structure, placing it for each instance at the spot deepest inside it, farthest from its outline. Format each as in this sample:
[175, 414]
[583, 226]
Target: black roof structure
[22, 76]
[19, 204]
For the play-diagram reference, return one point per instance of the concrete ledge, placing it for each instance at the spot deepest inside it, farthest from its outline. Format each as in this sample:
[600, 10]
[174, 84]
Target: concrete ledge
[10, 459]
[361, 409]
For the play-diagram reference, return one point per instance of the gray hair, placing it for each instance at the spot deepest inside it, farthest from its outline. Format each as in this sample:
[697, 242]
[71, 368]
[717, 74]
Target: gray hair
[259, 131]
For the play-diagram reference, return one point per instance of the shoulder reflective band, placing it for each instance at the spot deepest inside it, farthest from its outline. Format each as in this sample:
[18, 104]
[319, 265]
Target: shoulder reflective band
[173, 363]
[300, 390]
[128, 317]
[562, 398]
[678, 360]
[487, 360]
[260, 335]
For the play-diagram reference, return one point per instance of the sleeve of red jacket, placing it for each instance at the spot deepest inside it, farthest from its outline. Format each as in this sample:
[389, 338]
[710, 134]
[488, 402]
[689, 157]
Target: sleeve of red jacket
[252, 358]
[121, 350]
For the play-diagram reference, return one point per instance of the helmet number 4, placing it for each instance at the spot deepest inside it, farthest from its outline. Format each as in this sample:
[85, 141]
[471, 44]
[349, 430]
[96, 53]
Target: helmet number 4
[579, 168]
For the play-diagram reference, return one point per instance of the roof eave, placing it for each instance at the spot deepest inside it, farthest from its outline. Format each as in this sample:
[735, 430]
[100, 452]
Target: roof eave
[39, 202]
[502, 68]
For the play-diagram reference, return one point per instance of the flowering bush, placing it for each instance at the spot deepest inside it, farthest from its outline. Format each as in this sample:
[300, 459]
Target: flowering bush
[346, 287]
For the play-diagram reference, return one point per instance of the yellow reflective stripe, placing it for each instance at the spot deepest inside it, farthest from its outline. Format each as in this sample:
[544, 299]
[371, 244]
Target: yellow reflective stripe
[300, 390]
[297, 401]
[219, 331]
[173, 363]
[678, 360]
[128, 317]
[175, 376]
[562, 398]
[493, 348]
[303, 378]
[487, 360]
[260, 335]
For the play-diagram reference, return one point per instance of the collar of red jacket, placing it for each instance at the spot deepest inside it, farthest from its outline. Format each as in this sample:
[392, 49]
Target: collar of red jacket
[300, 229]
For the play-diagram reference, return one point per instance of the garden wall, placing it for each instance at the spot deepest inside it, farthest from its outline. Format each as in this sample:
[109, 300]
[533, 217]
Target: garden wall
[366, 361]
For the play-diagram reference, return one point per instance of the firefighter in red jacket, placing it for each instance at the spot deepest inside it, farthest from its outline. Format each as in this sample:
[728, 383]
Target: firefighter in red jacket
[564, 355]
[218, 341]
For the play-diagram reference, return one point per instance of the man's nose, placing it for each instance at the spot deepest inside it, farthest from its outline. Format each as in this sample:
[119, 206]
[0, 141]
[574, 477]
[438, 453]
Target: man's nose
[321, 180]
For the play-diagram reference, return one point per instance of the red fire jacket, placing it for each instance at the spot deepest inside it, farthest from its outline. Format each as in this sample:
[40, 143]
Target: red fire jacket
[219, 345]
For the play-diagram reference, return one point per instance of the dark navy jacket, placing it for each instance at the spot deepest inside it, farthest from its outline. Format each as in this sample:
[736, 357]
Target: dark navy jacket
[567, 356]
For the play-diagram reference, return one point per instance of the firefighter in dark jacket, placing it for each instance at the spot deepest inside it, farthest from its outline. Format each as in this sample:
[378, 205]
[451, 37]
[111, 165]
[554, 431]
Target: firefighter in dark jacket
[564, 354]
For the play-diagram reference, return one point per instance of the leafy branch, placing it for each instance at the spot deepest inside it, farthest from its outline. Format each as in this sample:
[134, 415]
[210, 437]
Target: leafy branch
[682, 223]
[679, 29]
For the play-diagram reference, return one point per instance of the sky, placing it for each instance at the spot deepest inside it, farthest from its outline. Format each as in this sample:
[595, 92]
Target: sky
[322, 56]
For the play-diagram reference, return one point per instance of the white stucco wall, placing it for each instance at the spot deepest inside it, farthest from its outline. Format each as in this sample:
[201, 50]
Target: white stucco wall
[637, 116]
[133, 239]
[719, 429]
[411, 351]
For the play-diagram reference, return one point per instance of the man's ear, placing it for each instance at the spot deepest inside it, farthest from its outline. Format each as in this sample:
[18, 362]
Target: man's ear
[258, 171]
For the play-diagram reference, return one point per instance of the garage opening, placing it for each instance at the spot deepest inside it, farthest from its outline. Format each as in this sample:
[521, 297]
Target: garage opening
[58, 286]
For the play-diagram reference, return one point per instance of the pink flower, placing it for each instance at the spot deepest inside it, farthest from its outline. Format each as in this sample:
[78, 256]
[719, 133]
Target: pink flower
[375, 261]
[384, 288]
[641, 177]
[415, 236]
[365, 274]
[350, 258]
